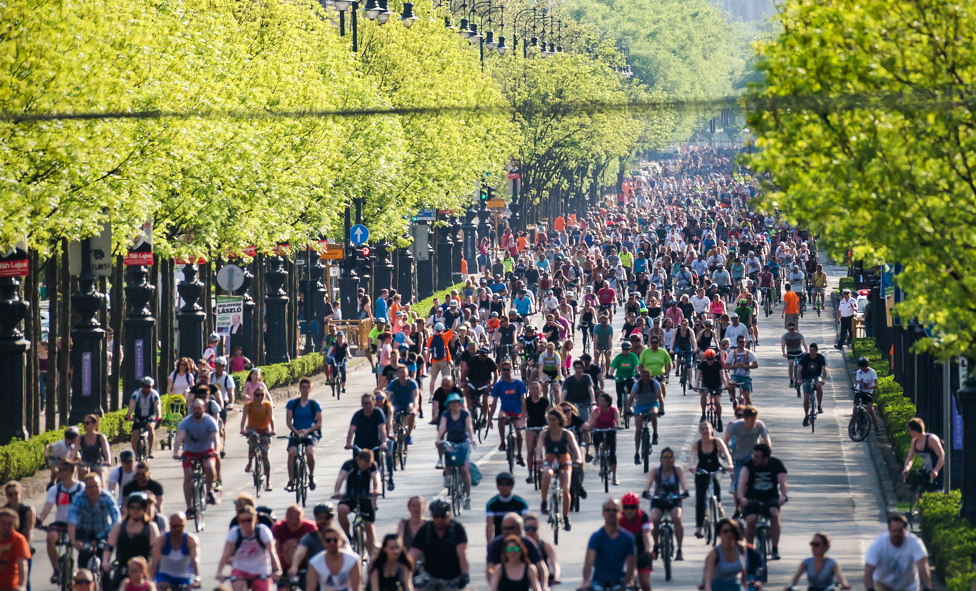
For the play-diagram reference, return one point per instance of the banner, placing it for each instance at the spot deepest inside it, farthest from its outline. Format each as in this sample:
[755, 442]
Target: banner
[99, 253]
[140, 252]
[230, 311]
[13, 261]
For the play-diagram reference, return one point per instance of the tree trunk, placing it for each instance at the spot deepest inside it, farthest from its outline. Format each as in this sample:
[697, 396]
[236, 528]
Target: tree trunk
[115, 323]
[32, 330]
[208, 309]
[64, 351]
[54, 321]
[259, 309]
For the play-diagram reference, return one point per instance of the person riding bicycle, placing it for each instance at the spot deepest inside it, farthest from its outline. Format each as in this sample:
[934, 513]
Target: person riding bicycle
[793, 345]
[606, 296]
[819, 282]
[644, 399]
[813, 370]
[59, 497]
[481, 374]
[667, 479]
[304, 421]
[741, 361]
[638, 523]
[658, 362]
[91, 517]
[606, 418]
[257, 423]
[928, 447]
[144, 411]
[455, 427]
[337, 356]
[250, 551]
[706, 457]
[897, 560]
[623, 368]
[603, 340]
[865, 381]
[504, 340]
[362, 487]
[132, 536]
[405, 396]
[198, 433]
[611, 553]
[550, 364]
[711, 381]
[175, 556]
[762, 488]
[557, 445]
[766, 283]
[511, 391]
[442, 543]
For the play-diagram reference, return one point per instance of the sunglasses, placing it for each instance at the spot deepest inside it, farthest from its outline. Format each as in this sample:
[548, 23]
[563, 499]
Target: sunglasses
[331, 540]
[816, 544]
[631, 507]
[259, 395]
[245, 521]
[531, 528]
[667, 457]
[443, 516]
[513, 549]
[611, 510]
[83, 581]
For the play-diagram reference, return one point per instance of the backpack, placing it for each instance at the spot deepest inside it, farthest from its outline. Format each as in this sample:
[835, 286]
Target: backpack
[438, 349]
[240, 538]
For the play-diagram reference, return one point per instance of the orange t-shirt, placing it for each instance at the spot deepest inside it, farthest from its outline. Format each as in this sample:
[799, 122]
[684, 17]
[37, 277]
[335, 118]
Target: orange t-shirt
[447, 335]
[522, 243]
[11, 551]
[791, 303]
[258, 416]
[559, 224]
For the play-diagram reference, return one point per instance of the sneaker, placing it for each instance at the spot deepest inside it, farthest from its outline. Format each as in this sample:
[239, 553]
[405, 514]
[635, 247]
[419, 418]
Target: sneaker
[217, 486]
[637, 459]
[502, 446]
[718, 427]
[806, 421]
[529, 480]
[567, 526]
[447, 481]
[595, 460]
[775, 554]
[615, 481]
[545, 507]
[654, 439]
[699, 533]
[211, 499]
[678, 556]
[311, 483]
[190, 513]
[390, 485]
[467, 503]
[702, 419]
[582, 493]
[519, 460]
[792, 384]
[151, 456]
[222, 454]
[409, 439]
[737, 514]
[54, 577]
[247, 469]
[590, 458]
[440, 464]
[819, 410]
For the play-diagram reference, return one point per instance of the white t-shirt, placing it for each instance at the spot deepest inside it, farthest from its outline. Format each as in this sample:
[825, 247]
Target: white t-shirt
[732, 333]
[329, 581]
[251, 557]
[59, 450]
[223, 383]
[700, 303]
[867, 377]
[895, 567]
[61, 498]
[119, 478]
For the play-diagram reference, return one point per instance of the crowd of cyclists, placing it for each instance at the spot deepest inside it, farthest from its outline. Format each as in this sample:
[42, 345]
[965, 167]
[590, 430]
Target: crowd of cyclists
[679, 256]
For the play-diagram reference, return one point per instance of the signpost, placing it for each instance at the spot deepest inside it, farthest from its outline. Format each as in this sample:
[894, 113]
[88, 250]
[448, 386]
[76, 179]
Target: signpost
[359, 234]
[426, 215]
[496, 203]
[13, 261]
[140, 252]
[333, 252]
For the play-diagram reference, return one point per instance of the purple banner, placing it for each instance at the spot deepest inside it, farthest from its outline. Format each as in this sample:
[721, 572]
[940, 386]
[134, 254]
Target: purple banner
[956, 426]
[86, 374]
[140, 367]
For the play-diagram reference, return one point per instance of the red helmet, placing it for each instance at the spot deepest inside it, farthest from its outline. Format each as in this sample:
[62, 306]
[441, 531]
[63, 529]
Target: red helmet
[710, 354]
[630, 499]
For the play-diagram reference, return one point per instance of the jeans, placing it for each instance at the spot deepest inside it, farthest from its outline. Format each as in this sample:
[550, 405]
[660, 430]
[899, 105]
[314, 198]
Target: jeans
[845, 330]
[701, 489]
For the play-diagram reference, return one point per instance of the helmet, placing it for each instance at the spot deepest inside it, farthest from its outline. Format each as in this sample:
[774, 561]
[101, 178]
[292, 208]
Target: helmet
[324, 509]
[643, 310]
[484, 350]
[710, 354]
[494, 314]
[214, 337]
[137, 497]
[439, 507]
[439, 326]
[454, 397]
[630, 499]
[148, 381]
[529, 327]
[863, 362]
[223, 360]
[504, 477]
[625, 345]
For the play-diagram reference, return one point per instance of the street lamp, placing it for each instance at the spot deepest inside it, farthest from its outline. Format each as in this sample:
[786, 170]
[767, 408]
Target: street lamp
[463, 30]
[475, 36]
[502, 48]
[490, 42]
[408, 17]
[372, 9]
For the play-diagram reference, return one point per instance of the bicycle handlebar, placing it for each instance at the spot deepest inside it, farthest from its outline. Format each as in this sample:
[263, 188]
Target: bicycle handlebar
[701, 472]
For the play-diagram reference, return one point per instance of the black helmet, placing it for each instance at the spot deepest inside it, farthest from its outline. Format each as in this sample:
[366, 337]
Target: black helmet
[439, 507]
[504, 477]
[324, 509]
[863, 362]
[137, 497]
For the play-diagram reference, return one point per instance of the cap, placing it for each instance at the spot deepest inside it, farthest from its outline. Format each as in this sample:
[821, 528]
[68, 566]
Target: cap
[504, 477]
[148, 381]
[126, 455]
[324, 509]
[454, 397]
[439, 326]
[72, 430]
[439, 507]
[845, 291]
[733, 315]
[709, 322]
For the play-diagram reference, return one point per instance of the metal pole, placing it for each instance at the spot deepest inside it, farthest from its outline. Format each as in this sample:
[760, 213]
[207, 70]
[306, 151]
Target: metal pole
[355, 28]
[947, 424]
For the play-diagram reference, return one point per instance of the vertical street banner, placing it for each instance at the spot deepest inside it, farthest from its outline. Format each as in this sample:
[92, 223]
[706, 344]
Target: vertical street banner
[230, 311]
[140, 252]
[99, 253]
[13, 260]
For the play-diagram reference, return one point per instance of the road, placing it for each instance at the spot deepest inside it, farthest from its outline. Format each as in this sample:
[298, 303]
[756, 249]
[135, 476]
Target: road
[832, 483]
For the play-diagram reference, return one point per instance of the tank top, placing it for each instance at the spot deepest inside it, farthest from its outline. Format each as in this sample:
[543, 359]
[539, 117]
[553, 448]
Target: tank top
[604, 420]
[708, 461]
[236, 364]
[408, 533]
[390, 583]
[507, 584]
[824, 578]
[175, 562]
[683, 341]
[92, 454]
[555, 447]
[456, 429]
[665, 486]
[536, 411]
[705, 339]
[329, 581]
[928, 455]
[143, 587]
[727, 571]
[130, 546]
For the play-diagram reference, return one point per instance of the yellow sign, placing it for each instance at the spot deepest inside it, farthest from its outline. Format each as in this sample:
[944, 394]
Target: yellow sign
[333, 252]
[496, 203]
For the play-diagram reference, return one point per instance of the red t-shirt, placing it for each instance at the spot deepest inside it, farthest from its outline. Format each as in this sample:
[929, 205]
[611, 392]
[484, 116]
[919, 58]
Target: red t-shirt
[636, 527]
[11, 551]
[606, 295]
[287, 540]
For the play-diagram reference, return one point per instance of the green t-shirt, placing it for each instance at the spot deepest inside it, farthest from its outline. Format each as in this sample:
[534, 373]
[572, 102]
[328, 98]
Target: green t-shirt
[507, 263]
[374, 333]
[745, 314]
[655, 362]
[624, 366]
[626, 259]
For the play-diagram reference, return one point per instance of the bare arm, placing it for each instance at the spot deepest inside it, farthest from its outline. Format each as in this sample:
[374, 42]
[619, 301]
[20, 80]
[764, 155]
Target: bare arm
[462, 552]
[533, 578]
[495, 579]
[228, 553]
[588, 568]
[710, 561]
[157, 552]
[924, 576]
[868, 571]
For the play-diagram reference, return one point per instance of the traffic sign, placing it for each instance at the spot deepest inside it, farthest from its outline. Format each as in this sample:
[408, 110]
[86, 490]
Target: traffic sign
[365, 252]
[513, 176]
[426, 215]
[230, 277]
[333, 252]
[359, 234]
[496, 203]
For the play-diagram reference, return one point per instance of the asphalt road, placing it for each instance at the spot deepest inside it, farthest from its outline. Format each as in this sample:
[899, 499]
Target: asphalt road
[832, 483]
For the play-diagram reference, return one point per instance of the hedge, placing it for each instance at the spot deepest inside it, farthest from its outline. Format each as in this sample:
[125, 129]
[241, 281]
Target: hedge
[889, 399]
[951, 541]
[423, 306]
[282, 374]
[846, 283]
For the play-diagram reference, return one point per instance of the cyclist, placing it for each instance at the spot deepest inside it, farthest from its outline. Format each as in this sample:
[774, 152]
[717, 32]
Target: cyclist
[304, 421]
[198, 433]
[119, 477]
[657, 361]
[522, 304]
[511, 392]
[706, 455]
[405, 396]
[683, 344]
[175, 556]
[437, 355]
[762, 488]
[337, 355]
[611, 553]
[455, 427]
[819, 282]
[741, 436]
[370, 429]
[59, 497]
[813, 371]
[144, 411]
[667, 479]
[131, 537]
[606, 296]
[504, 340]
[534, 408]
[481, 374]
[712, 380]
[337, 568]
[897, 560]
[547, 550]
[204, 393]
[557, 445]
[645, 399]
[865, 381]
[550, 366]
[822, 572]
[745, 315]
[91, 517]
[587, 316]
[250, 550]
[362, 488]
[741, 362]
[257, 423]
[579, 390]
[766, 283]
[605, 416]
[638, 523]
[442, 543]
[66, 449]
[928, 447]
[603, 340]
[499, 506]
[791, 305]
[623, 368]
[287, 534]
[793, 345]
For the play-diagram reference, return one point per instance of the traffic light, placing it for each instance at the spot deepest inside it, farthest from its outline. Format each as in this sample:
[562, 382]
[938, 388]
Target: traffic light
[483, 192]
[491, 193]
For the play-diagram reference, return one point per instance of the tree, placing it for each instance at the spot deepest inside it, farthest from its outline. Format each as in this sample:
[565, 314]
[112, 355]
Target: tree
[864, 125]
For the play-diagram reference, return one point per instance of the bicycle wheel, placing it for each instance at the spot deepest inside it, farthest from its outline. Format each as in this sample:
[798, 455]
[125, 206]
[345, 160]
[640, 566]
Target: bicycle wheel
[258, 469]
[66, 570]
[403, 452]
[711, 522]
[141, 449]
[684, 380]
[665, 553]
[813, 415]
[762, 548]
[646, 449]
[604, 469]
[455, 492]
[555, 511]
[198, 503]
[510, 452]
[860, 425]
[301, 484]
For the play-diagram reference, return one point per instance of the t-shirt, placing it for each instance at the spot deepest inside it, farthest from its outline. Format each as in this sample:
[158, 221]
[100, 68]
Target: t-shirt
[865, 377]
[440, 552]
[447, 335]
[511, 394]
[603, 335]
[655, 361]
[810, 366]
[640, 523]
[61, 498]
[313, 544]
[578, 389]
[358, 481]
[498, 506]
[791, 303]
[289, 539]
[224, 383]
[151, 486]
[199, 434]
[145, 405]
[735, 356]
[259, 415]
[250, 556]
[401, 394]
[303, 417]
[367, 428]
[480, 369]
[11, 551]
[118, 477]
[440, 395]
[711, 374]
[895, 566]
[733, 332]
[744, 439]
[762, 484]
[794, 342]
[497, 545]
[611, 554]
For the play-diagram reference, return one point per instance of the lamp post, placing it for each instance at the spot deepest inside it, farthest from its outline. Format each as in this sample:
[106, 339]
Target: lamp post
[140, 328]
[966, 402]
[86, 339]
[276, 304]
[13, 362]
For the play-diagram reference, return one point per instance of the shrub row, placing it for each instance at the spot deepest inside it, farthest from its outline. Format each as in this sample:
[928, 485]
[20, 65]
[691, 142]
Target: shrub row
[283, 374]
[950, 539]
[424, 306]
[889, 398]
[846, 283]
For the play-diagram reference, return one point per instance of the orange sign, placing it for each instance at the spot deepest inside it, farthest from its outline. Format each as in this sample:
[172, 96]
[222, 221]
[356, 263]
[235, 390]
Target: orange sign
[333, 252]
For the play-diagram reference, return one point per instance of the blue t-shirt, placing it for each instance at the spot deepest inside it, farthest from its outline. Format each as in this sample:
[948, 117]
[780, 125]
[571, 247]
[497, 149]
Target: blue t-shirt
[611, 554]
[497, 287]
[511, 394]
[523, 306]
[640, 265]
[401, 395]
[381, 309]
[303, 417]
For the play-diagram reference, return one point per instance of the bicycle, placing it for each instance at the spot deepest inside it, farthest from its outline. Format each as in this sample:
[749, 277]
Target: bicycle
[683, 368]
[712, 511]
[622, 394]
[260, 456]
[797, 382]
[536, 466]
[811, 391]
[66, 559]
[332, 377]
[511, 442]
[399, 441]
[455, 487]
[575, 488]
[198, 499]
[142, 444]
[248, 579]
[763, 543]
[552, 388]
[645, 440]
[923, 484]
[555, 503]
[665, 536]
[585, 329]
[711, 413]
[94, 564]
[301, 470]
[603, 458]
[380, 457]
[860, 425]
[358, 538]
[767, 301]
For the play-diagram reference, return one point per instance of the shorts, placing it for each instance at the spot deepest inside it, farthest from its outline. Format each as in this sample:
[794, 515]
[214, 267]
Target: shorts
[518, 420]
[744, 382]
[308, 440]
[644, 562]
[458, 454]
[665, 506]
[606, 307]
[864, 397]
[643, 409]
[791, 319]
[140, 423]
[363, 506]
[257, 584]
[397, 409]
[189, 456]
[173, 581]
[794, 355]
[736, 469]
[564, 459]
[603, 347]
[584, 410]
[443, 367]
[754, 508]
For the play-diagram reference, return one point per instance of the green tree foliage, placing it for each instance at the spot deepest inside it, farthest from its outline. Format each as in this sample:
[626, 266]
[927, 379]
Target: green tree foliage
[881, 158]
